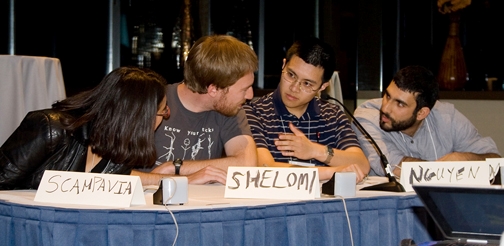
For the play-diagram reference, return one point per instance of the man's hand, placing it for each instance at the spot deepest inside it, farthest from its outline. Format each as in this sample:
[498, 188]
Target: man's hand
[298, 145]
[208, 175]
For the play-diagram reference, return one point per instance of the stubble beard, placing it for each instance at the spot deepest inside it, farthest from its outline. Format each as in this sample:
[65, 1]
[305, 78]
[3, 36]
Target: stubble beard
[222, 106]
[396, 125]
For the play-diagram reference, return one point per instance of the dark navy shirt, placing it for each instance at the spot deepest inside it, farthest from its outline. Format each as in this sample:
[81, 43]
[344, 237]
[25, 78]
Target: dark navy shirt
[323, 122]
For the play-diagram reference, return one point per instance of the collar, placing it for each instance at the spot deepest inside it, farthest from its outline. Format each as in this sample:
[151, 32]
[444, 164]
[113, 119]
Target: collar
[280, 109]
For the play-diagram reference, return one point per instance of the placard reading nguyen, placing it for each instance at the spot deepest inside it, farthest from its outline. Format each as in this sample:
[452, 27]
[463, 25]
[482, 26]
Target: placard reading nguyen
[272, 183]
[90, 189]
[445, 172]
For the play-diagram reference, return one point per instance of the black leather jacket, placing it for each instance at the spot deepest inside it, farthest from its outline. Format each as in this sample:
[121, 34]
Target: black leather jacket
[41, 143]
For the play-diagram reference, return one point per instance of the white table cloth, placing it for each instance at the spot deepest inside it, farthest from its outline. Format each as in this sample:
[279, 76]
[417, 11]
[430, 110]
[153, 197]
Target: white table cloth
[27, 83]
[376, 218]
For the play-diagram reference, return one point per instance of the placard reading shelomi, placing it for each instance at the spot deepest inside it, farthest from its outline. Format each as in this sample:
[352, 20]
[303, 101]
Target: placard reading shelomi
[272, 183]
[90, 189]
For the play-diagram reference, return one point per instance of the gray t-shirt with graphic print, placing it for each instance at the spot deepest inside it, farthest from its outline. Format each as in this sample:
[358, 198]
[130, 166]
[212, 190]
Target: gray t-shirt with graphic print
[195, 136]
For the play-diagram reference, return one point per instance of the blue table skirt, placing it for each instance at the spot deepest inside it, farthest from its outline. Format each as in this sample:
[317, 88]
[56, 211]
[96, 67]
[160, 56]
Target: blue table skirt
[374, 221]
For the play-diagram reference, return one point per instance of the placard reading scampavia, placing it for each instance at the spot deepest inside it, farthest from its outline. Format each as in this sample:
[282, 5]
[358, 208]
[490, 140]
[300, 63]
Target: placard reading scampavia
[272, 183]
[90, 189]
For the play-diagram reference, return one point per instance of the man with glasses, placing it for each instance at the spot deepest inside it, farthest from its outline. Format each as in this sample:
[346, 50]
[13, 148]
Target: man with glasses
[293, 127]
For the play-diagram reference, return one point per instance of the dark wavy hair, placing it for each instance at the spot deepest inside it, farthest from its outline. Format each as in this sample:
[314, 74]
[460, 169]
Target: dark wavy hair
[419, 81]
[120, 115]
[315, 52]
[220, 60]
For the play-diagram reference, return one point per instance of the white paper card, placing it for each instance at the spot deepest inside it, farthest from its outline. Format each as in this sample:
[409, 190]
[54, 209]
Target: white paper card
[272, 183]
[494, 164]
[90, 189]
[302, 163]
[445, 172]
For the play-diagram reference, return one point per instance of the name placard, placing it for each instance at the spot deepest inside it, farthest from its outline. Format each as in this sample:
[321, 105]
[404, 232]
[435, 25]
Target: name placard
[90, 189]
[494, 164]
[445, 172]
[272, 183]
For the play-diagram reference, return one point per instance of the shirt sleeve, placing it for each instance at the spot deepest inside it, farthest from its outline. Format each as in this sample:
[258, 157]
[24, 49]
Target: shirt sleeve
[25, 151]
[467, 139]
[345, 135]
[235, 126]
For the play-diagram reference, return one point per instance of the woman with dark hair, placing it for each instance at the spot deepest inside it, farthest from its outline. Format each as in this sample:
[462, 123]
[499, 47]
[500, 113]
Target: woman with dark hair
[109, 129]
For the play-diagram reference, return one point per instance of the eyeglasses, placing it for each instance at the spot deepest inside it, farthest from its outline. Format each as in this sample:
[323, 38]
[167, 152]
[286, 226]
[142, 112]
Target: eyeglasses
[166, 113]
[292, 78]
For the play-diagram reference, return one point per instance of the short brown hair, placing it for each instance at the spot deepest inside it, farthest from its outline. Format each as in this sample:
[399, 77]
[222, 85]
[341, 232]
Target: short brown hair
[220, 60]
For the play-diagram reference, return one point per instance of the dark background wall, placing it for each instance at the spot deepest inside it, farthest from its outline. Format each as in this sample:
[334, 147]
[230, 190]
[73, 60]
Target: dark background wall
[74, 32]
[372, 38]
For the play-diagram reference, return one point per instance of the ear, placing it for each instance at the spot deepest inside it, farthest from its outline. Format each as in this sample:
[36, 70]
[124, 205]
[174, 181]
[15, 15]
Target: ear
[212, 90]
[423, 113]
[283, 63]
[324, 85]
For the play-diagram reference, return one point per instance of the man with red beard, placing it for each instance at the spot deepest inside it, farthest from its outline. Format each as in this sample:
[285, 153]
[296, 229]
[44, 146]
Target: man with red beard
[291, 126]
[207, 130]
[410, 124]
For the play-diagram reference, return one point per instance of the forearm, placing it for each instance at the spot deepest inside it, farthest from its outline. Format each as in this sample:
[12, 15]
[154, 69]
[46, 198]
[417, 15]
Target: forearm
[203, 176]
[467, 156]
[149, 178]
[351, 155]
[325, 173]
[190, 167]
[490, 155]
[477, 157]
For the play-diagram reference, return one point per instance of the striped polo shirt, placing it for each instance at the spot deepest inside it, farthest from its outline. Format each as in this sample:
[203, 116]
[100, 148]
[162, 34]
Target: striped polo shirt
[323, 122]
